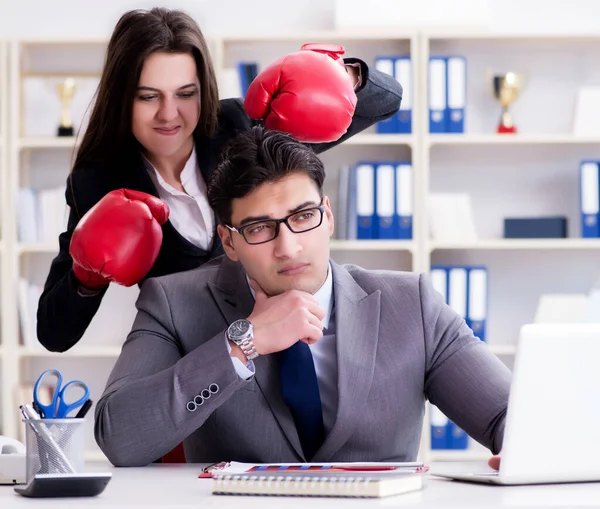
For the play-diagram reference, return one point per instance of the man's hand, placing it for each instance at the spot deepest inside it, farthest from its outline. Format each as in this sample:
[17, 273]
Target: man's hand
[494, 462]
[280, 321]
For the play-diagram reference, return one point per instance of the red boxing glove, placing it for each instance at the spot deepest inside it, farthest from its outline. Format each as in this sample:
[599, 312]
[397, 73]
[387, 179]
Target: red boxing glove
[307, 94]
[118, 239]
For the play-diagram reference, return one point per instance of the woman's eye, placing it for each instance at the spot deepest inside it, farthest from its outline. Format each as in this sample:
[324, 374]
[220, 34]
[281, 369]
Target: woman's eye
[146, 97]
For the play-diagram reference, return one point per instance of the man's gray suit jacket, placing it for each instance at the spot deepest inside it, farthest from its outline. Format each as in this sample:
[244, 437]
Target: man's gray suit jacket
[397, 342]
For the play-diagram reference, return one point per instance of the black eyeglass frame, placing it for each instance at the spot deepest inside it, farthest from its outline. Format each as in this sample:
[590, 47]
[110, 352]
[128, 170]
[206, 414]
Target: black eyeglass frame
[320, 208]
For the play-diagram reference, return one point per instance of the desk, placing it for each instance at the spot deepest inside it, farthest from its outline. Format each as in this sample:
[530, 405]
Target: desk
[178, 486]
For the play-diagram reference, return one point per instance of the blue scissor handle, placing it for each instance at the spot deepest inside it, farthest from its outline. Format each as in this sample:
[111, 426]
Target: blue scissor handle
[65, 407]
[48, 409]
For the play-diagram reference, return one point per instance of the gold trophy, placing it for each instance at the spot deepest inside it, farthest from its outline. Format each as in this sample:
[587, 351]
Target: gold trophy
[66, 90]
[506, 89]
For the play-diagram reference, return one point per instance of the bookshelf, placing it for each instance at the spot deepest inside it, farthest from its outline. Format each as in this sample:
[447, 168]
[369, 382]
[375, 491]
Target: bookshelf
[514, 173]
[6, 379]
[534, 172]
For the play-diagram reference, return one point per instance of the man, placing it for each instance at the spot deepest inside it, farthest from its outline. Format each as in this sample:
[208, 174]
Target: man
[274, 353]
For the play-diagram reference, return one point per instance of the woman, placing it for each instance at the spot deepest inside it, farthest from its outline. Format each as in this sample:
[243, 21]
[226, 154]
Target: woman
[155, 134]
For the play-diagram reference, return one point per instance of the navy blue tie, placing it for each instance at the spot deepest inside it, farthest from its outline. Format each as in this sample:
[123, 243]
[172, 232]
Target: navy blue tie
[300, 392]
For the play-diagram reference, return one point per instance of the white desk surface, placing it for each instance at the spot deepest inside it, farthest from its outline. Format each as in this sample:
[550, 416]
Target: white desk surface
[179, 486]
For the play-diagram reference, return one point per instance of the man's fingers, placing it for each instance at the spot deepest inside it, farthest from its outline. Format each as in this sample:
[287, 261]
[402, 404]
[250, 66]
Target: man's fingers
[494, 462]
[312, 334]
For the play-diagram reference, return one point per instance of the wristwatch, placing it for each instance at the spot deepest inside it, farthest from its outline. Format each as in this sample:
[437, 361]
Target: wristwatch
[241, 333]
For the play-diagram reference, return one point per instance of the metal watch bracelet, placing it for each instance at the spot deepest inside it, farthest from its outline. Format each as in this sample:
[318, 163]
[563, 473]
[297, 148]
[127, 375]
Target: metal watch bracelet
[247, 346]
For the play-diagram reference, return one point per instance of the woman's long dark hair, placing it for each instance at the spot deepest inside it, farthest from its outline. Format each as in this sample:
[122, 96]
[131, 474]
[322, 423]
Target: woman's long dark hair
[138, 34]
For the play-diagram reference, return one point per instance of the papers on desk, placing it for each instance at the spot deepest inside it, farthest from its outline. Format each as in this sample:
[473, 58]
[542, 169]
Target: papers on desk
[235, 467]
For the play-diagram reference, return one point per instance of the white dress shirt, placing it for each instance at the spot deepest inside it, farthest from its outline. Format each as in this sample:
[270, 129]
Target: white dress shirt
[324, 356]
[190, 212]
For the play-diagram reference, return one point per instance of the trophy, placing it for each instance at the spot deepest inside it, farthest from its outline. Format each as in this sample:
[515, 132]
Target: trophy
[66, 90]
[506, 89]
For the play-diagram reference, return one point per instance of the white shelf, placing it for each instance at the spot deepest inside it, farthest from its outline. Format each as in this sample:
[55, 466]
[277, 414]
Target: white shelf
[459, 455]
[64, 41]
[500, 349]
[474, 34]
[42, 247]
[372, 245]
[77, 351]
[380, 139]
[41, 142]
[357, 34]
[95, 456]
[510, 139]
[518, 244]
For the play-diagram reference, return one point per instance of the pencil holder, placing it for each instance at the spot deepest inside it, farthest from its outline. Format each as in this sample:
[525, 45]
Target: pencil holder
[54, 446]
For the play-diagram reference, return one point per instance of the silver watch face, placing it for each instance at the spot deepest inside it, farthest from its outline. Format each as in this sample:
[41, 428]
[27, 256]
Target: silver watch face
[239, 329]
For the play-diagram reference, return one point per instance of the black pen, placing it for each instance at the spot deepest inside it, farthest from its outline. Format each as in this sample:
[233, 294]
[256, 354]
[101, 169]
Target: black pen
[84, 409]
[37, 408]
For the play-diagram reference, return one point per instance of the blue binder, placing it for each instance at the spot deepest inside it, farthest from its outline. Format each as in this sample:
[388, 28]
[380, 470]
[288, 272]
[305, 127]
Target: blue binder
[247, 71]
[385, 64]
[365, 201]
[403, 214]
[437, 95]
[439, 428]
[589, 188]
[403, 74]
[456, 80]
[384, 200]
[477, 300]
[456, 437]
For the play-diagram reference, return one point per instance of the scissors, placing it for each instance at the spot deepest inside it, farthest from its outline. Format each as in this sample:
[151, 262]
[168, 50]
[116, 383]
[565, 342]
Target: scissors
[59, 406]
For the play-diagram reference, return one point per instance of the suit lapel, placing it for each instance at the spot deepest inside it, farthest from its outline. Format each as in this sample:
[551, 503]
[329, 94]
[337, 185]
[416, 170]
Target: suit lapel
[357, 332]
[235, 301]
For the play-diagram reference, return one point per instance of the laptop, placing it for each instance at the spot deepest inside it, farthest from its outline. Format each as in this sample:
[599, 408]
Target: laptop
[553, 416]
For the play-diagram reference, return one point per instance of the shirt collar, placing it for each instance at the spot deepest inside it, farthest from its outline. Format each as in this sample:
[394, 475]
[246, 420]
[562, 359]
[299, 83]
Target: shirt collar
[324, 295]
[187, 173]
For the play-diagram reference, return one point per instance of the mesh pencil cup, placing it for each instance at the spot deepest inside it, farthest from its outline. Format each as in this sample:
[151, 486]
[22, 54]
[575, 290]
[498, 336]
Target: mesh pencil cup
[54, 446]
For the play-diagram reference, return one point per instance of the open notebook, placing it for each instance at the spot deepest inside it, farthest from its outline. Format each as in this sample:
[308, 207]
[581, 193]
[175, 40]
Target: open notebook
[312, 483]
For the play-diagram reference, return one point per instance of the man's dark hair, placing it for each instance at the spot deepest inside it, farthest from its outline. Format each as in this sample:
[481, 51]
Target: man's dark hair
[255, 157]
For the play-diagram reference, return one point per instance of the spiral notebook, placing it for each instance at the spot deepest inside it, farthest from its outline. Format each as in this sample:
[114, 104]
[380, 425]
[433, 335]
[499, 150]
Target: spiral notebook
[318, 484]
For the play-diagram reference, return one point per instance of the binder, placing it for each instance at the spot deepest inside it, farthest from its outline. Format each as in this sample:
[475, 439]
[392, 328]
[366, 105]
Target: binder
[457, 94]
[385, 201]
[342, 206]
[404, 201]
[439, 428]
[352, 223]
[437, 95]
[590, 199]
[385, 64]
[457, 290]
[477, 296]
[439, 281]
[365, 201]
[403, 74]
[248, 71]
[456, 437]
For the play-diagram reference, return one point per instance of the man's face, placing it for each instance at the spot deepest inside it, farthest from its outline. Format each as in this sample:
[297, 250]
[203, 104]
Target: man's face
[292, 260]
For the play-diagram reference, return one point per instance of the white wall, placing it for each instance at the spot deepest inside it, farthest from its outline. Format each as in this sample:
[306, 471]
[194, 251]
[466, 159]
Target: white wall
[31, 18]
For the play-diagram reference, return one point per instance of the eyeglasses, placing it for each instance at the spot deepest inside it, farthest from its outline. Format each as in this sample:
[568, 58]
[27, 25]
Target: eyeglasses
[265, 231]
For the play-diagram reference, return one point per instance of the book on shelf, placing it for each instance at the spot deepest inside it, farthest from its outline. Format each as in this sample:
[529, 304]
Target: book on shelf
[311, 483]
